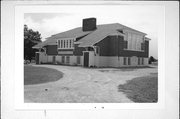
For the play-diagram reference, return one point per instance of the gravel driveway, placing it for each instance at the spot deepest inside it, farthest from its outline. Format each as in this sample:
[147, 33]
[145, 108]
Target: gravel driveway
[84, 85]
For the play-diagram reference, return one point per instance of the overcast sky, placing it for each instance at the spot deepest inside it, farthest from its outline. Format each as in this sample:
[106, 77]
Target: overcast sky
[143, 18]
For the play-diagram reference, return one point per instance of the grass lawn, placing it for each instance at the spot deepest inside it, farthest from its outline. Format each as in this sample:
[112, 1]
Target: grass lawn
[133, 68]
[142, 89]
[37, 75]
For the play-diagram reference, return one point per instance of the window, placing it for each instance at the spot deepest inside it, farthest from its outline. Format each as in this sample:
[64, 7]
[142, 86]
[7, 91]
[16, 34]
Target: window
[78, 59]
[63, 58]
[67, 59]
[61, 43]
[142, 61]
[129, 61]
[66, 43]
[138, 60]
[125, 44]
[70, 43]
[143, 46]
[124, 61]
[134, 41]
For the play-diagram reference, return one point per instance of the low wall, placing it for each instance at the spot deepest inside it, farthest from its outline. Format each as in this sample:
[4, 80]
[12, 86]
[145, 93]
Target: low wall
[58, 60]
[106, 61]
[98, 61]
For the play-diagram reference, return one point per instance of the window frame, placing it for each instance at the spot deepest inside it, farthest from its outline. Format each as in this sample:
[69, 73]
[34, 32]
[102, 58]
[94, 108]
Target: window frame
[65, 43]
[67, 59]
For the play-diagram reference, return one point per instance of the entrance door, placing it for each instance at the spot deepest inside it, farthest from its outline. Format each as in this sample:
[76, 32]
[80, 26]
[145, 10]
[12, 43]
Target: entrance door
[86, 59]
[37, 58]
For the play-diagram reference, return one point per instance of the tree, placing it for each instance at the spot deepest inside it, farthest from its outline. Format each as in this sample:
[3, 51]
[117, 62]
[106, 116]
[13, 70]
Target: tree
[31, 38]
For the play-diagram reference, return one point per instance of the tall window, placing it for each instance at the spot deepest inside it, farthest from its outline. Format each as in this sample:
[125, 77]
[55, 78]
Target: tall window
[64, 43]
[61, 43]
[67, 43]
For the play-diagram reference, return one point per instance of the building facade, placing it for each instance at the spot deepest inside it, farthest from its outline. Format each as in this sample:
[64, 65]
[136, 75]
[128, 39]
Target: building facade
[108, 45]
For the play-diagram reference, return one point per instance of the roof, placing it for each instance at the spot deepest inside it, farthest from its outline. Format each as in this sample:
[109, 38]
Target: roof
[102, 32]
[74, 33]
[93, 37]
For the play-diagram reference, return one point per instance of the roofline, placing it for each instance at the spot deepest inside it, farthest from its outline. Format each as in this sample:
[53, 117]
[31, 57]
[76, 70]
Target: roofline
[63, 31]
[123, 27]
[52, 36]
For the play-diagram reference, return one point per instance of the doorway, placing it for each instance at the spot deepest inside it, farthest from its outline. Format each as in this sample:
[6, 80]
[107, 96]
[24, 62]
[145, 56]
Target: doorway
[86, 59]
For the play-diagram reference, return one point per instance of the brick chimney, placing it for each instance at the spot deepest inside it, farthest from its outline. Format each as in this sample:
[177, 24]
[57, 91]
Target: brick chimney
[89, 24]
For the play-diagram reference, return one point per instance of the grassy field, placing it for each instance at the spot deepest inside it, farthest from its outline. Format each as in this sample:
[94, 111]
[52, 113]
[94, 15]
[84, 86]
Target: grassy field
[37, 75]
[142, 89]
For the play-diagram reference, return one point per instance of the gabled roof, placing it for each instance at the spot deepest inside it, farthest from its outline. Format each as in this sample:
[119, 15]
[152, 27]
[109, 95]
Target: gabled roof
[91, 37]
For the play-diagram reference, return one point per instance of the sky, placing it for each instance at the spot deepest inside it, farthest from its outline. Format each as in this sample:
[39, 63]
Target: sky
[143, 18]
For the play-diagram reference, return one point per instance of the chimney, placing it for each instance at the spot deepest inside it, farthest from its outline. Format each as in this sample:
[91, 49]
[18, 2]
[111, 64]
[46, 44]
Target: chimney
[89, 24]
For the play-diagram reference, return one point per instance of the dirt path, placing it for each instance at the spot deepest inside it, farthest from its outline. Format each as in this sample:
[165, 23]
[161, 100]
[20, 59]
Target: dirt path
[83, 85]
